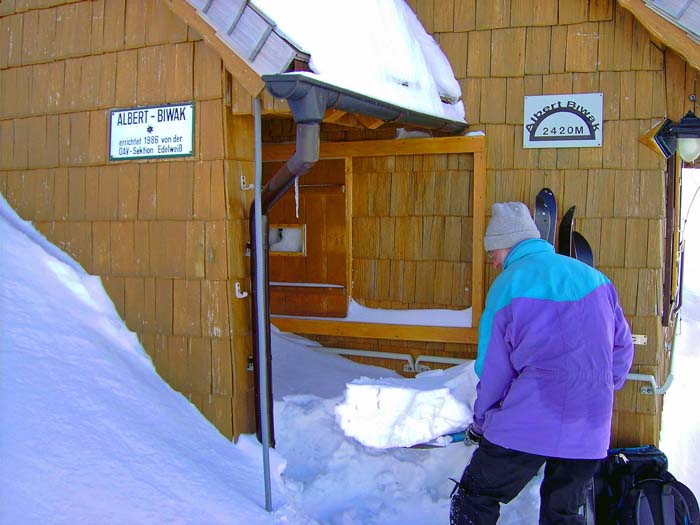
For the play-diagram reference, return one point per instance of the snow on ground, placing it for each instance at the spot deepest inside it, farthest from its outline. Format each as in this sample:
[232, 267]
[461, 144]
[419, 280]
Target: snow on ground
[680, 423]
[91, 433]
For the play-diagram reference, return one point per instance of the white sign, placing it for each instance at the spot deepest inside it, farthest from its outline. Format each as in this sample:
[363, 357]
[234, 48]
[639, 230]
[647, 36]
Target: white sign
[563, 121]
[152, 132]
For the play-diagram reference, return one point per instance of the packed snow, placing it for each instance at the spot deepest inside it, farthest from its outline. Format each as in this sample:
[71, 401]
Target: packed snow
[393, 412]
[358, 313]
[391, 58]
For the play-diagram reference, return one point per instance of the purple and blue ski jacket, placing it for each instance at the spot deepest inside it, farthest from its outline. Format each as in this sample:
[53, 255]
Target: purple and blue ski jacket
[553, 345]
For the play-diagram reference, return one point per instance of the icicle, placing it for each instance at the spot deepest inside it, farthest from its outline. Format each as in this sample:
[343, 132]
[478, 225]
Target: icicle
[296, 195]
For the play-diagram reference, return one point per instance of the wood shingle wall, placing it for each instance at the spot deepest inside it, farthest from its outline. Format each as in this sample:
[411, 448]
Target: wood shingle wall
[503, 51]
[158, 232]
[412, 231]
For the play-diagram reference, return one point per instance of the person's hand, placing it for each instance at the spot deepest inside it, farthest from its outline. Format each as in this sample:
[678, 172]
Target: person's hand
[474, 435]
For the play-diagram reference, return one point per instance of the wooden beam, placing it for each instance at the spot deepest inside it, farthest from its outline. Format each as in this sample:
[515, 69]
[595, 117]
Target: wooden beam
[478, 229]
[668, 33]
[380, 148]
[401, 332]
[238, 67]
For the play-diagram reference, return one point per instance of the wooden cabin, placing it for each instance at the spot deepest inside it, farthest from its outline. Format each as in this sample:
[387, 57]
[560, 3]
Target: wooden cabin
[387, 223]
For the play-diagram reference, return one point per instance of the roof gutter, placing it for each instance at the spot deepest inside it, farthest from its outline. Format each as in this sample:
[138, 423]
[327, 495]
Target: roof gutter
[308, 98]
[296, 87]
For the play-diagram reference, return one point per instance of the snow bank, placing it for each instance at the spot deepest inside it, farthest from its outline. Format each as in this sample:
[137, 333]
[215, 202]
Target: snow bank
[89, 432]
[393, 412]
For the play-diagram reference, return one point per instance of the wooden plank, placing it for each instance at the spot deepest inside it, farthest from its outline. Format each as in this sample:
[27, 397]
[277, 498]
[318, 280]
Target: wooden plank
[200, 359]
[649, 326]
[627, 187]
[164, 305]
[601, 193]
[582, 46]
[101, 248]
[636, 237]
[134, 25]
[501, 145]
[493, 110]
[493, 14]
[243, 386]
[557, 52]
[126, 84]
[148, 195]
[142, 248]
[174, 187]
[454, 45]
[464, 15]
[316, 268]
[444, 283]
[424, 193]
[599, 10]
[479, 54]
[651, 185]
[195, 252]
[572, 12]
[11, 31]
[122, 244]
[186, 307]
[575, 191]
[624, 30]
[460, 144]
[649, 300]
[377, 331]
[134, 303]
[215, 255]
[656, 242]
[433, 245]
[215, 310]
[128, 191]
[113, 32]
[108, 193]
[641, 48]
[612, 236]
[179, 83]
[508, 52]
[626, 280]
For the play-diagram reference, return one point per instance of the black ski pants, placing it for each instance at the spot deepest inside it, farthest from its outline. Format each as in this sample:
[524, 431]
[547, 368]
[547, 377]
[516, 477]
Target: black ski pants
[496, 475]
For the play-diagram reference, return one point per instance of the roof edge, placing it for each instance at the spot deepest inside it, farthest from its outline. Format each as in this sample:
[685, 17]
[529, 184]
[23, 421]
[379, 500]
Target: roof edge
[665, 31]
[246, 75]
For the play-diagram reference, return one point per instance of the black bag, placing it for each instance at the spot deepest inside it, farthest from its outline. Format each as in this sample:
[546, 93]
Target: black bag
[634, 487]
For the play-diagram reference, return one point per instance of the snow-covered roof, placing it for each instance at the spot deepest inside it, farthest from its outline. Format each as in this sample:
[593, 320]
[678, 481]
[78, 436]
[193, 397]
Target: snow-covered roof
[675, 23]
[684, 14]
[377, 48]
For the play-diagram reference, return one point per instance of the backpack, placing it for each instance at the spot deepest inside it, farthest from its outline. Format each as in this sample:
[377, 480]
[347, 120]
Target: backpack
[634, 487]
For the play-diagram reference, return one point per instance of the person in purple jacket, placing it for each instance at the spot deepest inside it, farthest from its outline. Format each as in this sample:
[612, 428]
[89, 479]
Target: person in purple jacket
[553, 346]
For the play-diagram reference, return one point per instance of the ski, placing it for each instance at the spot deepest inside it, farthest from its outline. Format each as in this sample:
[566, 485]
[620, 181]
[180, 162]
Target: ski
[582, 249]
[565, 229]
[546, 214]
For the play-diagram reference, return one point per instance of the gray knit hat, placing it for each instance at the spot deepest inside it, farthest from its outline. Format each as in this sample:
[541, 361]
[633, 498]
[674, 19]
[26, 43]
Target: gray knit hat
[510, 223]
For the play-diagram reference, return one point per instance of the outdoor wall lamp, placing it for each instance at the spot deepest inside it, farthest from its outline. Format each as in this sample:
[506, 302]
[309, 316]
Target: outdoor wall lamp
[688, 133]
[682, 138]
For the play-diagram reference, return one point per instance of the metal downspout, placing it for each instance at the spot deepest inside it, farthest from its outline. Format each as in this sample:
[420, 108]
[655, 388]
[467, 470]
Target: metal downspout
[260, 302]
[305, 156]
